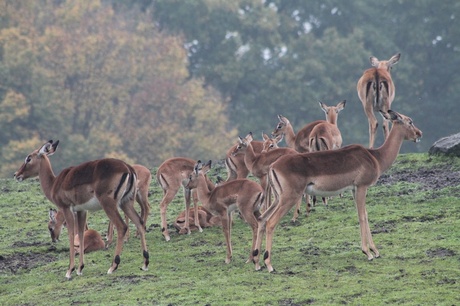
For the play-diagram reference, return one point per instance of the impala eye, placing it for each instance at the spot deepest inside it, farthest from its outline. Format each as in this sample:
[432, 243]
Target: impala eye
[28, 159]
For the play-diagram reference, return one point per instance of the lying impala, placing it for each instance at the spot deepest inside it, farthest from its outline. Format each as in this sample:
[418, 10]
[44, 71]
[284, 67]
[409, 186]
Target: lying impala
[242, 194]
[376, 92]
[173, 174]
[328, 173]
[100, 184]
[57, 220]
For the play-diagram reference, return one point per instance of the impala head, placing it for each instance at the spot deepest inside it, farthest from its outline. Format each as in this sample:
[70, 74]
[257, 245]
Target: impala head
[385, 64]
[332, 111]
[281, 126]
[242, 144]
[198, 169]
[412, 132]
[270, 143]
[31, 166]
[52, 225]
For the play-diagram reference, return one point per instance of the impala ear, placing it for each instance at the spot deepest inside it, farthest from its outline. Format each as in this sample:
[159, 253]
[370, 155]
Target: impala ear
[341, 105]
[249, 137]
[394, 59]
[265, 136]
[394, 115]
[207, 167]
[279, 138]
[52, 214]
[240, 139]
[197, 166]
[374, 61]
[323, 106]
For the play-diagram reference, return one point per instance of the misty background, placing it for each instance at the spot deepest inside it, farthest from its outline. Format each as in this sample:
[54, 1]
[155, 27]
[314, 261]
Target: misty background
[145, 80]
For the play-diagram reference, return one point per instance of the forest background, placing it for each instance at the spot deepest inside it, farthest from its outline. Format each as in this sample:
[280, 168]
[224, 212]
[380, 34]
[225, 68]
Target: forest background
[145, 80]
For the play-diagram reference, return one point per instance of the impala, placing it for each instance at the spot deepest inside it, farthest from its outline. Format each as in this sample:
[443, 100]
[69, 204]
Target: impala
[376, 92]
[328, 173]
[258, 163]
[242, 194]
[100, 184]
[300, 141]
[93, 242]
[57, 220]
[326, 135]
[235, 164]
[144, 177]
[173, 174]
[207, 219]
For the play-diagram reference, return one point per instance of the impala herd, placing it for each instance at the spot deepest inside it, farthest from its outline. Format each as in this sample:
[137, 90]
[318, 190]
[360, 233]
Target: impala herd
[313, 164]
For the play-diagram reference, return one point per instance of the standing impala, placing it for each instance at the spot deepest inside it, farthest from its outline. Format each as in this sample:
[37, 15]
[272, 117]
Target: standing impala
[173, 174]
[235, 164]
[100, 184]
[328, 173]
[258, 163]
[300, 141]
[376, 92]
[326, 135]
[57, 220]
[242, 194]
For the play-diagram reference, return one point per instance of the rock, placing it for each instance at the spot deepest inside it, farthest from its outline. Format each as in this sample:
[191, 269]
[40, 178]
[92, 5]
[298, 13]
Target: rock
[449, 145]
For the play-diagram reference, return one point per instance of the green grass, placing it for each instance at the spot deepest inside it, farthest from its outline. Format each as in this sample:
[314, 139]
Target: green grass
[318, 260]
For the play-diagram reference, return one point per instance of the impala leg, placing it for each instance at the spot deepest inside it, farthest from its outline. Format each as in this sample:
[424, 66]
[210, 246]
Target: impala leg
[282, 209]
[70, 220]
[252, 221]
[261, 226]
[143, 201]
[80, 226]
[373, 123]
[168, 196]
[195, 212]
[110, 207]
[109, 236]
[227, 228]
[360, 199]
[132, 214]
[186, 228]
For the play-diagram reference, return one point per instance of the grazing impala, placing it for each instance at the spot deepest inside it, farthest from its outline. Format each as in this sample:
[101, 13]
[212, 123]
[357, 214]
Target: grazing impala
[242, 194]
[376, 92]
[300, 141]
[57, 220]
[173, 174]
[100, 184]
[328, 173]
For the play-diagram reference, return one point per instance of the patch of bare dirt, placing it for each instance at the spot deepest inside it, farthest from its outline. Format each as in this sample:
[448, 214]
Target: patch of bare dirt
[24, 261]
[429, 179]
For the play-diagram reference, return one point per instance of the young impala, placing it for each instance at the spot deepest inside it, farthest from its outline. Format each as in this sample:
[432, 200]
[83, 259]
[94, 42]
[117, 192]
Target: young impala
[242, 194]
[376, 92]
[100, 184]
[328, 173]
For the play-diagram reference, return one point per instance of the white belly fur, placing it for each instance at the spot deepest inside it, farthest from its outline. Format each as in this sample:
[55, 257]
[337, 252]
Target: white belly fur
[91, 205]
[311, 190]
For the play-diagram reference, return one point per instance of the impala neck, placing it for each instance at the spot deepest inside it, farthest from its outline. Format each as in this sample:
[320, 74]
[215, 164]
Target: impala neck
[331, 117]
[203, 191]
[250, 156]
[388, 152]
[46, 176]
[289, 135]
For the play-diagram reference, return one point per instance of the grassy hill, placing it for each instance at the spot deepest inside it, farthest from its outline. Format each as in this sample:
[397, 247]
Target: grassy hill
[414, 215]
